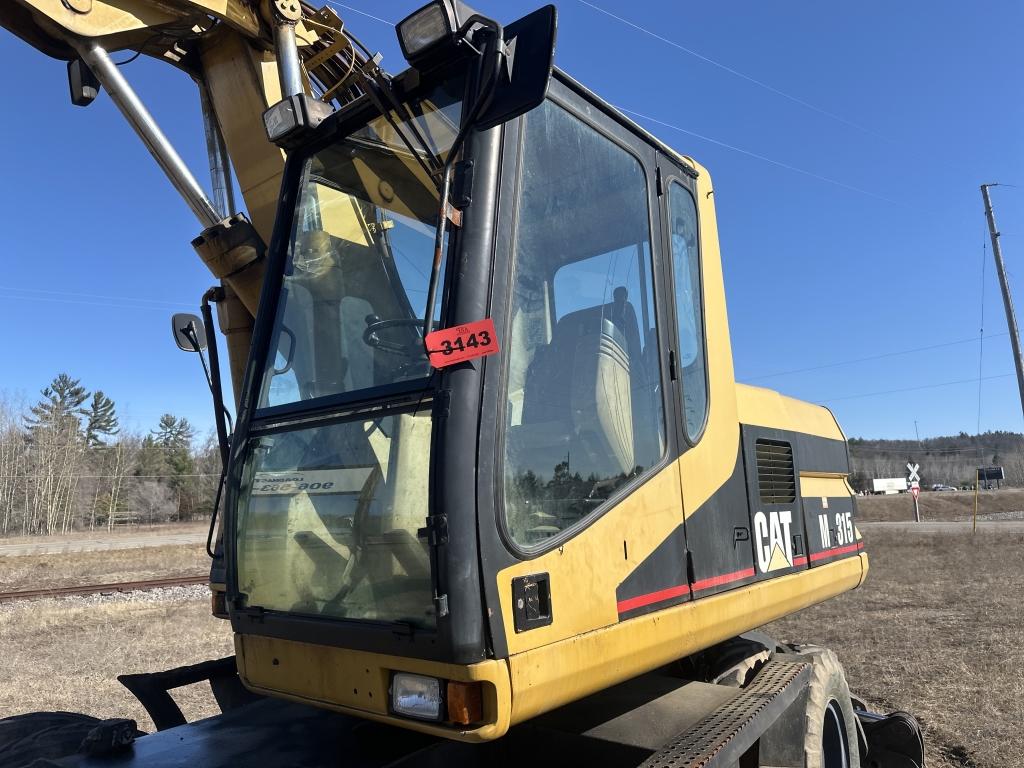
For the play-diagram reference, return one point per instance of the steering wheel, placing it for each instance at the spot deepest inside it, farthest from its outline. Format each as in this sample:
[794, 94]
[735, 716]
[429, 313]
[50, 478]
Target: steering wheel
[374, 324]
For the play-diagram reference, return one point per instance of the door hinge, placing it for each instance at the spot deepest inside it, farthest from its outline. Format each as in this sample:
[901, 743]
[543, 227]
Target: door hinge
[436, 530]
[441, 604]
[658, 185]
[691, 576]
[672, 364]
[462, 185]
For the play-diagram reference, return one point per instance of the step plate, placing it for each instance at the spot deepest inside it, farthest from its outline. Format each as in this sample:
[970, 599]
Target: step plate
[723, 737]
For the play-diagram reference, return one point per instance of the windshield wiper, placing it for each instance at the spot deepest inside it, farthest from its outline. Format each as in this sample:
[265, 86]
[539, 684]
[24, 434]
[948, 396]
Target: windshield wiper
[379, 90]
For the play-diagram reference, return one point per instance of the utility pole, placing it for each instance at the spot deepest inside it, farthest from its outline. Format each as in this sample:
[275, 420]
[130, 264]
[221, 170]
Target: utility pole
[1011, 318]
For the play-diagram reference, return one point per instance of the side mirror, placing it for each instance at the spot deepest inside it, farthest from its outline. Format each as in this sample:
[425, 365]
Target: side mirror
[529, 57]
[189, 334]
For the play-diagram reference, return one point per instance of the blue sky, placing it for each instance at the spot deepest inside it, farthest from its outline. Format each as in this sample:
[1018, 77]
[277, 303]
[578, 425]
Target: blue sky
[846, 142]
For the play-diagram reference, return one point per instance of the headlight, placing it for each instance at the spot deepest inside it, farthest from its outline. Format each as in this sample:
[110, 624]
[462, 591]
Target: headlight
[432, 34]
[290, 121]
[425, 28]
[416, 696]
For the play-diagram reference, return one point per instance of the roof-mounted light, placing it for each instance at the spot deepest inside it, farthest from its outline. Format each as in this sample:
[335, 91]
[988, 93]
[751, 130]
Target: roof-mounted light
[433, 31]
[291, 120]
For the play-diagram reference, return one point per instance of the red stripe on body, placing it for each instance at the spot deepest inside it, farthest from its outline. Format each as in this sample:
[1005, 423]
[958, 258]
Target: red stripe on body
[714, 581]
[652, 597]
[840, 551]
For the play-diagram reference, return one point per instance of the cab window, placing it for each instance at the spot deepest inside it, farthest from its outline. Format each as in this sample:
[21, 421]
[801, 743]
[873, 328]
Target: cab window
[689, 309]
[583, 408]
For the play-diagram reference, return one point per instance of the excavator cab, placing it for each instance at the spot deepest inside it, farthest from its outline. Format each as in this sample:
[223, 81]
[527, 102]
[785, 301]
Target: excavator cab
[491, 471]
[491, 456]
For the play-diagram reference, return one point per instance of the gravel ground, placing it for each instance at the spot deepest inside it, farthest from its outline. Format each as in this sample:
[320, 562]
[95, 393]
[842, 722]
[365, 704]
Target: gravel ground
[160, 595]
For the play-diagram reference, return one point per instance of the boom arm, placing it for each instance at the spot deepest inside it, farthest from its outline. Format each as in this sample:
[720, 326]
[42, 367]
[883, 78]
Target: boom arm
[228, 48]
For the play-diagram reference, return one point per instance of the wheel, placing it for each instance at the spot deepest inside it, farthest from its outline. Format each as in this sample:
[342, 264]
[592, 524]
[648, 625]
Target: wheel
[735, 662]
[830, 733]
[36, 738]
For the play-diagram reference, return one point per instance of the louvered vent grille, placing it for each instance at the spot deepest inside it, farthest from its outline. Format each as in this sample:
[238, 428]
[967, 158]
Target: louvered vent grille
[776, 482]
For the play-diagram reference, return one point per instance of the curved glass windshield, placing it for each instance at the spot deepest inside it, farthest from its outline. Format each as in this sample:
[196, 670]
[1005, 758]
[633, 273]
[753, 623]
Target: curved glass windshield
[355, 282]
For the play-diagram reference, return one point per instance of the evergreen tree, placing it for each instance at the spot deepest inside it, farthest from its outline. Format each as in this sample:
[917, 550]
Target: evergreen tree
[173, 432]
[101, 421]
[170, 445]
[60, 407]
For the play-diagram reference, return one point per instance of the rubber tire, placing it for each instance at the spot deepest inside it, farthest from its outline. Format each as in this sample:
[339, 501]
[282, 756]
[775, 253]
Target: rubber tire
[737, 661]
[42, 736]
[828, 686]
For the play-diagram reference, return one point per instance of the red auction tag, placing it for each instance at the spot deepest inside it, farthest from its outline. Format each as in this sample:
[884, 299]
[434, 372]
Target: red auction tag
[462, 342]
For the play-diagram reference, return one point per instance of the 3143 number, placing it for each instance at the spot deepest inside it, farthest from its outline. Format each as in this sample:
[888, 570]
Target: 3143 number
[473, 341]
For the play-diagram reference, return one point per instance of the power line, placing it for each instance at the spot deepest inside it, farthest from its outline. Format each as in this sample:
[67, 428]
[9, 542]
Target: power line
[93, 296]
[764, 158]
[735, 72]
[914, 389]
[361, 13]
[867, 359]
[107, 304]
[722, 144]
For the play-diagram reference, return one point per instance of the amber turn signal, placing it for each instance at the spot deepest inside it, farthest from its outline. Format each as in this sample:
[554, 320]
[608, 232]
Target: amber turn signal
[465, 703]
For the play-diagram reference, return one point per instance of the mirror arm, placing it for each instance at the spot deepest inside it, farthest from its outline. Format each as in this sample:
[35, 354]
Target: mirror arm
[220, 412]
[493, 49]
[215, 294]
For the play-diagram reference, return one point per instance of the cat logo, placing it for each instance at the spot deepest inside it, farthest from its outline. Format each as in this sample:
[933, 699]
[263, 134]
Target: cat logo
[774, 544]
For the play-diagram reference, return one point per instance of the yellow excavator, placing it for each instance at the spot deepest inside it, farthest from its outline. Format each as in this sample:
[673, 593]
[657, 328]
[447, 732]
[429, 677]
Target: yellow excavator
[493, 494]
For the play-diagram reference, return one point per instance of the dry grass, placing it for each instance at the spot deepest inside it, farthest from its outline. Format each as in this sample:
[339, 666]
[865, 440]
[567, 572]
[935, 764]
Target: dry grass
[938, 505]
[66, 654]
[42, 571]
[936, 631]
[121, 530]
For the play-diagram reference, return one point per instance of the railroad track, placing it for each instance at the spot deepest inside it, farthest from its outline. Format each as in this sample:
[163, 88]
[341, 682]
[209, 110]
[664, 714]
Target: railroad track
[105, 589]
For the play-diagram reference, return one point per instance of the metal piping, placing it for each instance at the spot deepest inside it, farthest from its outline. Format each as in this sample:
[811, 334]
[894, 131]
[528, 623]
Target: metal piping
[145, 126]
[220, 171]
[289, 67]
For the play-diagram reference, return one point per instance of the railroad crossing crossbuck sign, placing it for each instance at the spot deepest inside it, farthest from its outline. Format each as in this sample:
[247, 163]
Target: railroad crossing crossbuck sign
[913, 477]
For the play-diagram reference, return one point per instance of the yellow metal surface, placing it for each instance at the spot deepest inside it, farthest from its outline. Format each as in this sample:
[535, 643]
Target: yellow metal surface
[592, 564]
[243, 83]
[357, 682]
[544, 678]
[553, 675]
[817, 485]
[706, 467]
[767, 408]
[116, 23]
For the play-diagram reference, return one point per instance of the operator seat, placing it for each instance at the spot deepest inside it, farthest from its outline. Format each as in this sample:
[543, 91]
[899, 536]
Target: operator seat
[578, 395]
